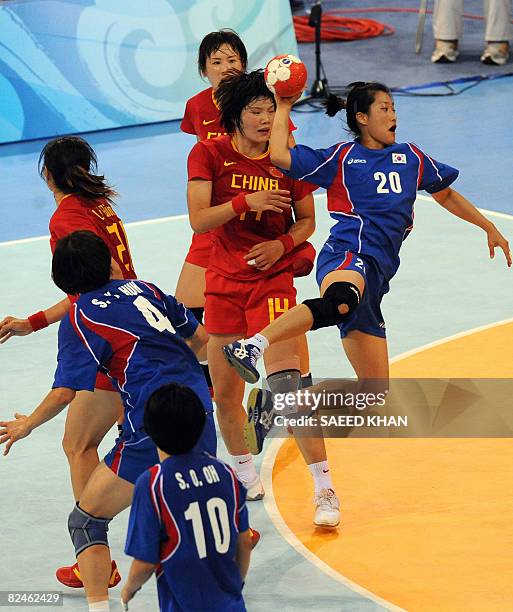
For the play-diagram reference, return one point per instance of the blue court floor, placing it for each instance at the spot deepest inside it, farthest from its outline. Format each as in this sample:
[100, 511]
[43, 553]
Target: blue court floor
[446, 285]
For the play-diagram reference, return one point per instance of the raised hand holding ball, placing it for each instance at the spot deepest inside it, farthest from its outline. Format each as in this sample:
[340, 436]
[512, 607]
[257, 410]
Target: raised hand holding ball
[285, 76]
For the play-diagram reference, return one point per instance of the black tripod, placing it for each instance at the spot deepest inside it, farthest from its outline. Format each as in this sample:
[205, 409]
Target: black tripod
[319, 89]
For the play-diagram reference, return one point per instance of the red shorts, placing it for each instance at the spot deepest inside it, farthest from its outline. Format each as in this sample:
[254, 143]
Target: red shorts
[246, 307]
[200, 249]
[104, 383]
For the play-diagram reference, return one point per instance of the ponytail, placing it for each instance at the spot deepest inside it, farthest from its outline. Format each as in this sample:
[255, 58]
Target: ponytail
[87, 185]
[334, 104]
[72, 163]
[359, 99]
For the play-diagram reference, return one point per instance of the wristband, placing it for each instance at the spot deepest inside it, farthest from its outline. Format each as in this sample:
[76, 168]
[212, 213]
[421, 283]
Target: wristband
[239, 204]
[288, 243]
[38, 321]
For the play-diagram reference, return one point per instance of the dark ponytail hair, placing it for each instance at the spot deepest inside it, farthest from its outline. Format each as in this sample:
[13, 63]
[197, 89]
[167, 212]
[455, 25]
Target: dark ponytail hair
[72, 164]
[235, 92]
[359, 99]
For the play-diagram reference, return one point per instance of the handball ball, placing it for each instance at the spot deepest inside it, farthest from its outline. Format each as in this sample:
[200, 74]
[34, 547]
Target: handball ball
[285, 75]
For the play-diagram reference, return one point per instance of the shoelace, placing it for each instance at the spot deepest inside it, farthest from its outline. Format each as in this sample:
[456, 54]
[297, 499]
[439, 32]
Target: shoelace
[327, 497]
[241, 352]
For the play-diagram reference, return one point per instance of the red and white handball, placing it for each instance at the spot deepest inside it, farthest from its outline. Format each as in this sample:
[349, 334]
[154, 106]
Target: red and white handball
[285, 75]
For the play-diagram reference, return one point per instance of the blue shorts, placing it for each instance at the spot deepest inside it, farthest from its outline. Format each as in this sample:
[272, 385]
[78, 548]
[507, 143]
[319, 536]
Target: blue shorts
[367, 318]
[134, 453]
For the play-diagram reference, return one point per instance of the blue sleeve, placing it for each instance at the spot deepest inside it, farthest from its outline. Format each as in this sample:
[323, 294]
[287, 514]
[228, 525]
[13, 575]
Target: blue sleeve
[77, 365]
[436, 176]
[242, 510]
[317, 166]
[144, 531]
[182, 318]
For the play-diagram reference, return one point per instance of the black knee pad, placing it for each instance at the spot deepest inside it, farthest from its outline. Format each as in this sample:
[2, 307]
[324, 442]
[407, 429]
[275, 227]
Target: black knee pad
[198, 313]
[325, 309]
[87, 530]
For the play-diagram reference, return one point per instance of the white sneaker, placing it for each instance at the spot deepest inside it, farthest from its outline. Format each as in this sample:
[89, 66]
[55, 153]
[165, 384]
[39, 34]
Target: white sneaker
[327, 508]
[445, 52]
[255, 490]
[496, 53]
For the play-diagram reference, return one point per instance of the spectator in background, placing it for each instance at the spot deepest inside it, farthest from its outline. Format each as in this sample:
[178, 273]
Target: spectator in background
[447, 31]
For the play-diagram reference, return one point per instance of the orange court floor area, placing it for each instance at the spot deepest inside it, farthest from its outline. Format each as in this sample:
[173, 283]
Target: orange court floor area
[426, 523]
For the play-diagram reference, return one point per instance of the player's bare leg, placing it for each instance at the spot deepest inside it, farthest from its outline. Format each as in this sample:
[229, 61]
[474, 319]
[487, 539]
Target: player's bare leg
[105, 496]
[231, 416]
[90, 416]
[190, 290]
[304, 354]
[368, 355]
[229, 393]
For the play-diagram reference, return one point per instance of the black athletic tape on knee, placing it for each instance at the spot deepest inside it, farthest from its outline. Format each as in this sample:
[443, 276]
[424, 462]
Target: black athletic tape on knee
[86, 530]
[198, 313]
[325, 311]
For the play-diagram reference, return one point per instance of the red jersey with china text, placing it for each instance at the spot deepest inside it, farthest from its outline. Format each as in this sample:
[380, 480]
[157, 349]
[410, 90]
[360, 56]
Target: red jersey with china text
[232, 173]
[202, 117]
[97, 216]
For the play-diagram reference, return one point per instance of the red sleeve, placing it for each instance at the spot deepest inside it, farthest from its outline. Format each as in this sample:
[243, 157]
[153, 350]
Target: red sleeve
[292, 127]
[200, 163]
[300, 189]
[187, 125]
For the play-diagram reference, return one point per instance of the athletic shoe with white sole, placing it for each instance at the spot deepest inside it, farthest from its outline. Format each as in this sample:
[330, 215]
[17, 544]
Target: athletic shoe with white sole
[327, 508]
[260, 419]
[255, 490]
[243, 356]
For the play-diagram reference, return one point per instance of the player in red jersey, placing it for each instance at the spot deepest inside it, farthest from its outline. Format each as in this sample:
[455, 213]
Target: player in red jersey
[84, 202]
[235, 192]
[219, 53]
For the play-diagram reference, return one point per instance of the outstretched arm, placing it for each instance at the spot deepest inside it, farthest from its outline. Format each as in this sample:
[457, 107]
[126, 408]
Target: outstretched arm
[22, 426]
[12, 326]
[459, 206]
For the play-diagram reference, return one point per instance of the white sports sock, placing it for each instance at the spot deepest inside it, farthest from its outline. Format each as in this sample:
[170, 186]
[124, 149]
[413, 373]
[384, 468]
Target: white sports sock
[321, 475]
[99, 606]
[260, 342]
[245, 468]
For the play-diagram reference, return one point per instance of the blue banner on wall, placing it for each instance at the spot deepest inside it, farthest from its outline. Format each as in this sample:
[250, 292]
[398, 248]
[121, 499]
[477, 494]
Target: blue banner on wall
[69, 66]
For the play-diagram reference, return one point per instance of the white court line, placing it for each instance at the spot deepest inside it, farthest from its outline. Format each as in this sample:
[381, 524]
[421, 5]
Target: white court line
[317, 196]
[266, 475]
[462, 334]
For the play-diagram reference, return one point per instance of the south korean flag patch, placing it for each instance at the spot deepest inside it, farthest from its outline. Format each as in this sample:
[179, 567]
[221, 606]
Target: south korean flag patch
[398, 158]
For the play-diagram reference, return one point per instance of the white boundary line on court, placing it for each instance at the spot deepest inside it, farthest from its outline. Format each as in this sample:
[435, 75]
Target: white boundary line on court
[318, 196]
[266, 474]
[462, 334]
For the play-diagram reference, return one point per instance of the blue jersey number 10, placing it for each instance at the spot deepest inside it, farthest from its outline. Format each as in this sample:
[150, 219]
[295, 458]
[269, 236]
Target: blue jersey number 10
[219, 523]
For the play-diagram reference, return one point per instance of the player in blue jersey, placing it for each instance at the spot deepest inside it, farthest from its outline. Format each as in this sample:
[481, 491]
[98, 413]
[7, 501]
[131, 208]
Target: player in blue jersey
[189, 521]
[371, 184]
[139, 336]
